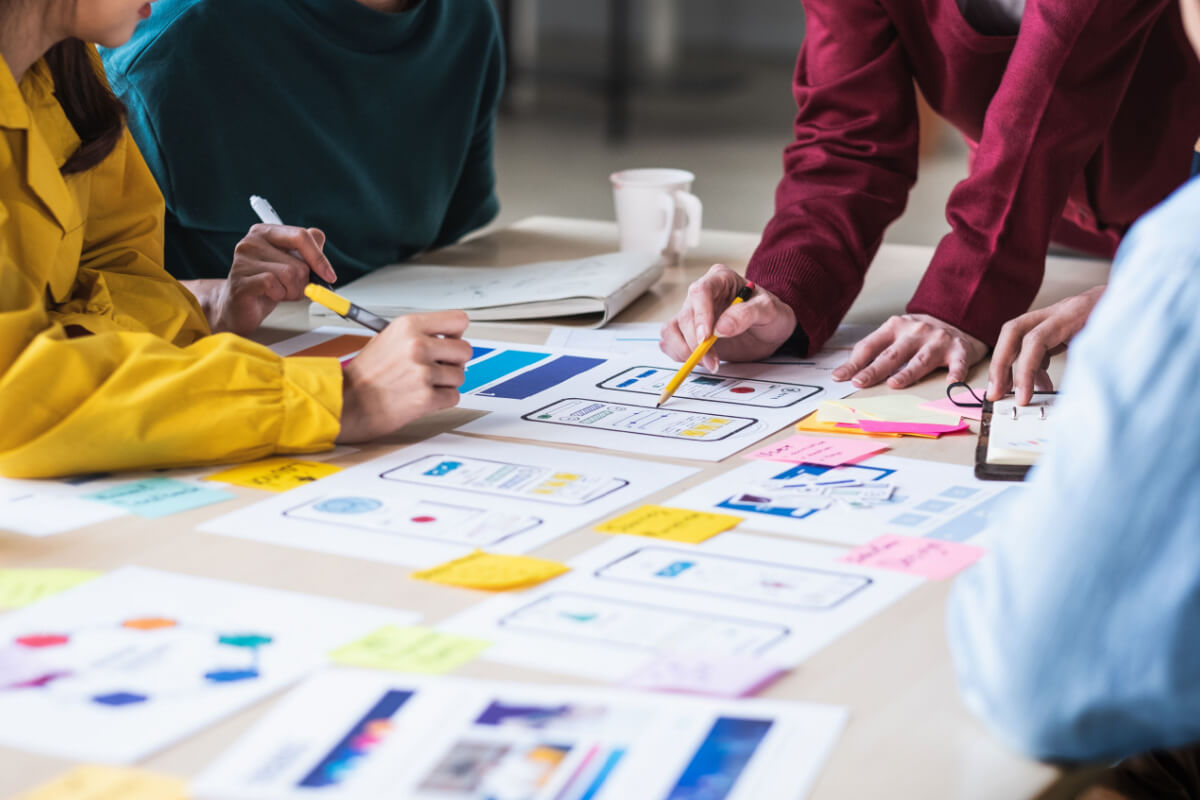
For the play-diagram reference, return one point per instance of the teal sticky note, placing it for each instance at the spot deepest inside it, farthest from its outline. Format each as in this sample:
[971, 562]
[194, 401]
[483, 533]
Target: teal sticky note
[158, 497]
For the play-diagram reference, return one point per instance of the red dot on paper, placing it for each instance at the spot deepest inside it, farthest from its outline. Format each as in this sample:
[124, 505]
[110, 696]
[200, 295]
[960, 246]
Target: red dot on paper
[424, 519]
[742, 389]
[43, 640]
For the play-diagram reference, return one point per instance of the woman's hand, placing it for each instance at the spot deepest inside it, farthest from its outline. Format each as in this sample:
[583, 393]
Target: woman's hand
[749, 331]
[411, 369]
[270, 265]
[1028, 342]
[908, 347]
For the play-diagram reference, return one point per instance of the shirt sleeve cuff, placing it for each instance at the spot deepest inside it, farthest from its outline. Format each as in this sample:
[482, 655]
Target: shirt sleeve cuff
[312, 404]
[788, 275]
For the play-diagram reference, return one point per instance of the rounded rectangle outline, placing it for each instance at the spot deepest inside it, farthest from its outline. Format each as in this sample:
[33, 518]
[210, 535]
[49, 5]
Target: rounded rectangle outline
[384, 475]
[816, 390]
[598, 573]
[537, 521]
[784, 631]
[528, 418]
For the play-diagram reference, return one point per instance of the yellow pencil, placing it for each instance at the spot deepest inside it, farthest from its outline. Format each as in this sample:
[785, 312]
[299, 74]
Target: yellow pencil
[701, 350]
[344, 308]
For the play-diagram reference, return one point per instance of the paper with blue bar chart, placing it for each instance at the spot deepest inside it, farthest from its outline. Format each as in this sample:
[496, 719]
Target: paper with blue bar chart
[588, 398]
[447, 496]
[351, 734]
[924, 498]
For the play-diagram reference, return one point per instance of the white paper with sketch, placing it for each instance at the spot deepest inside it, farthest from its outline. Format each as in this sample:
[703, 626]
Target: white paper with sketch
[929, 498]
[601, 286]
[126, 664]
[1020, 435]
[560, 397]
[444, 497]
[358, 735]
[44, 508]
[632, 597]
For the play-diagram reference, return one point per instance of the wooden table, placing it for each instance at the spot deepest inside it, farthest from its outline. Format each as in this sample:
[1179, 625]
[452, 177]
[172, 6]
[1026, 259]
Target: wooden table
[909, 735]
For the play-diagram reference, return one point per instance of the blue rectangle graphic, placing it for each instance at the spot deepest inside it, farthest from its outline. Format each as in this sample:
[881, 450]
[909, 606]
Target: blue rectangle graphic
[357, 745]
[530, 383]
[480, 352]
[491, 369]
[721, 758]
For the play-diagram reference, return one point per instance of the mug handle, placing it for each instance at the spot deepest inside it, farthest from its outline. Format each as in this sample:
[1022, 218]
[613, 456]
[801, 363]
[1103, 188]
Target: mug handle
[693, 209]
[666, 204]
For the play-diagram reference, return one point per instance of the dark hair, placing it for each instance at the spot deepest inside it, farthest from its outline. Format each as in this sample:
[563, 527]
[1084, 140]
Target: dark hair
[93, 110]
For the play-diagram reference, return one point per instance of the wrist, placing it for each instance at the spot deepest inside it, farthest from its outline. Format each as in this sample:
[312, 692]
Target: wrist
[207, 292]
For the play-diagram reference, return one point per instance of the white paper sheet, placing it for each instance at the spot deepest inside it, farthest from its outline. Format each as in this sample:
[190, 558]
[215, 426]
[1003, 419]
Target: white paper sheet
[632, 597]
[44, 508]
[556, 396]
[447, 496]
[941, 501]
[123, 665]
[616, 338]
[349, 734]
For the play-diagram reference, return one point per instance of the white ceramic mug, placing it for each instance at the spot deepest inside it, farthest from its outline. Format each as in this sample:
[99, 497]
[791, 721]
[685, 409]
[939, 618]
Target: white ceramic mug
[657, 212]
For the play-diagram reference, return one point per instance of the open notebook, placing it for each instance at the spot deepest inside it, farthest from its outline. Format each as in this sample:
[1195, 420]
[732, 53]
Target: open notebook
[596, 288]
[1013, 438]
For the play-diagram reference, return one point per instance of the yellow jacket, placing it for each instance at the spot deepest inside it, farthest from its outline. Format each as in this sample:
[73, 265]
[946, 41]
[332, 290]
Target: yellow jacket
[150, 386]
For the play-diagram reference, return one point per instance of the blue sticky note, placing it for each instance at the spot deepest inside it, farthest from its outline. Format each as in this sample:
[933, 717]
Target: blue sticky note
[158, 497]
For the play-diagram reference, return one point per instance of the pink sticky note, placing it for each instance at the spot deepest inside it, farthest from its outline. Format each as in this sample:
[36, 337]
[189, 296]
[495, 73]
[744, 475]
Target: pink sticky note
[710, 675]
[826, 452]
[928, 558]
[918, 428]
[948, 407]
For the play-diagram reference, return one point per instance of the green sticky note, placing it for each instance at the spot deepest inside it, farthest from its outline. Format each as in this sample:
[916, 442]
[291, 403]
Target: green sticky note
[158, 497]
[410, 649]
[24, 587]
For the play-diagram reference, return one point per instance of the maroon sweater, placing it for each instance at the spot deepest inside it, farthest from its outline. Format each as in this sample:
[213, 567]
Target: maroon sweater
[1077, 126]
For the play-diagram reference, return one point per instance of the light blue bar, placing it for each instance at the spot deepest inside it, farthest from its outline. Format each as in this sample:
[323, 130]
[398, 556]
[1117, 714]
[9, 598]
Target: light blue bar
[974, 521]
[491, 369]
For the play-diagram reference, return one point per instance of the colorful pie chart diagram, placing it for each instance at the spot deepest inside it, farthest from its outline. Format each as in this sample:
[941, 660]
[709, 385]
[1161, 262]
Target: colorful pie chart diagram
[131, 661]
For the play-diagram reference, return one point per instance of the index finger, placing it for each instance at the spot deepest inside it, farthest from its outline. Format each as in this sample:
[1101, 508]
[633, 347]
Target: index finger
[288, 237]
[865, 352]
[440, 323]
[1008, 346]
[719, 285]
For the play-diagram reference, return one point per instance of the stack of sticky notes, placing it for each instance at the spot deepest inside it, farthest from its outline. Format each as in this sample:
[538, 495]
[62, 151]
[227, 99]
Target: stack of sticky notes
[884, 415]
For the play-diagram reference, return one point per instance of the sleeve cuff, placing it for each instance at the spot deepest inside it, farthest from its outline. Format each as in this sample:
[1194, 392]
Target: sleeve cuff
[312, 404]
[796, 279]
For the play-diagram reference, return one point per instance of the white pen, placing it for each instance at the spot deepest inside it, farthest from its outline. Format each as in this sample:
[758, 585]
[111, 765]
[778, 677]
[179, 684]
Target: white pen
[267, 214]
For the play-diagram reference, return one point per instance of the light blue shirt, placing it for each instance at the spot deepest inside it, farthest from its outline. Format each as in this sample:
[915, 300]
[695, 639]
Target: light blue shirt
[1078, 637]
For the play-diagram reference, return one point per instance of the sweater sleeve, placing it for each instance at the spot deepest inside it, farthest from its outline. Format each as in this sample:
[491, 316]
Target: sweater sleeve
[474, 202]
[1065, 81]
[148, 387]
[849, 169]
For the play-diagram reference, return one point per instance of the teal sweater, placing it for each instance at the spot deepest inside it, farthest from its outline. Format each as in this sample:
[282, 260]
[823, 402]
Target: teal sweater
[376, 128]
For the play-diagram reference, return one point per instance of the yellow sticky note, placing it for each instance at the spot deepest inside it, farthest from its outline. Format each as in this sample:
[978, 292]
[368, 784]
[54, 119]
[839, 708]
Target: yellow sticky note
[275, 474]
[892, 408]
[23, 587]
[814, 425]
[410, 649]
[492, 572]
[833, 412]
[675, 524]
[94, 782]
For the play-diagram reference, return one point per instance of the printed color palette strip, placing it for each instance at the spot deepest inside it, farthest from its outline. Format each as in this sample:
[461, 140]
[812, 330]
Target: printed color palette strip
[530, 383]
[492, 369]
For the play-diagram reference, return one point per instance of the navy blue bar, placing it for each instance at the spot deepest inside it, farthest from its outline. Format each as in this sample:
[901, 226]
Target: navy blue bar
[333, 767]
[530, 383]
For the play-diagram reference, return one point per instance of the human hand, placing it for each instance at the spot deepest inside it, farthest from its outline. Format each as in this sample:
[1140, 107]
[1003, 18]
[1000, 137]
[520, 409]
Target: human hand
[908, 347]
[748, 331]
[1028, 342]
[270, 265]
[411, 369]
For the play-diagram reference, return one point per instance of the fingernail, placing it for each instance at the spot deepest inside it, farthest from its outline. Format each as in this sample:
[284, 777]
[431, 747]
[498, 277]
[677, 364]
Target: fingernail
[987, 390]
[839, 374]
[701, 333]
[859, 382]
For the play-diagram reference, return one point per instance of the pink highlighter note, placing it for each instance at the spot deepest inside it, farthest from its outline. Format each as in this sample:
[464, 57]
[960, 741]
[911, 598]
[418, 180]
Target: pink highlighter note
[915, 555]
[913, 428]
[825, 452]
[959, 411]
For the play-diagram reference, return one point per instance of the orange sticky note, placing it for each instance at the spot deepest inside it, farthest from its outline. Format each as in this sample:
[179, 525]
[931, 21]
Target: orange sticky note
[492, 572]
[814, 425]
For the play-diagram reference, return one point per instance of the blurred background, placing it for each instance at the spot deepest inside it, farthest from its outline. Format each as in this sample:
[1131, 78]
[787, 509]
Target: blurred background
[704, 85]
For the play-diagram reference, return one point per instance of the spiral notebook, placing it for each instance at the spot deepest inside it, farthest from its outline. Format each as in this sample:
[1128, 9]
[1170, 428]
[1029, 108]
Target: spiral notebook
[1012, 437]
[590, 290]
